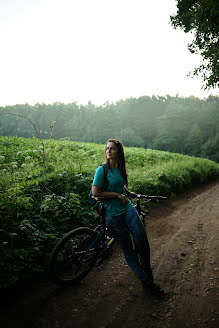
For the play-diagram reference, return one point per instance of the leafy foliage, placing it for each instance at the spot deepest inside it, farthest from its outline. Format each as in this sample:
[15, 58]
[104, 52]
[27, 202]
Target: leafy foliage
[44, 187]
[201, 17]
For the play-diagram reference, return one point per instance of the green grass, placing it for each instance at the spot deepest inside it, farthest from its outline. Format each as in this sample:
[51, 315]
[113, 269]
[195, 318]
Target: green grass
[44, 186]
[32, 158]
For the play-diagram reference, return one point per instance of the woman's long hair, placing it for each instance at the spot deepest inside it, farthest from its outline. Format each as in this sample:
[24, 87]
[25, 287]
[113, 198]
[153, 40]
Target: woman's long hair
[121, 159]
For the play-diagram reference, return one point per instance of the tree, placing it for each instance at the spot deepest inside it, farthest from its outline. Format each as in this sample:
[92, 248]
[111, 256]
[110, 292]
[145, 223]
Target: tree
[129, 138]
[174, 125]
[193, 142]
[210, 149]
[202, 18]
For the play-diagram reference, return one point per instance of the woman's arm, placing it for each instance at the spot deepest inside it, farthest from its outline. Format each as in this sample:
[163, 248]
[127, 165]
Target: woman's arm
[96, 191]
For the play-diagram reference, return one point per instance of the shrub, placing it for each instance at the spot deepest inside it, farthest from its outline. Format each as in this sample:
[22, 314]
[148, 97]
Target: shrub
[44, 187]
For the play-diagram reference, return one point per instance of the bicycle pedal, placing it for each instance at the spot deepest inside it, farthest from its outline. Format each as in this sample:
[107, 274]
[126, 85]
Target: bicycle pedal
[99, 263]
[108, 253]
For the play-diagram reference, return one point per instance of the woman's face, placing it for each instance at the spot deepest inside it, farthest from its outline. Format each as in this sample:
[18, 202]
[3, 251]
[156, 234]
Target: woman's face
[112, 151]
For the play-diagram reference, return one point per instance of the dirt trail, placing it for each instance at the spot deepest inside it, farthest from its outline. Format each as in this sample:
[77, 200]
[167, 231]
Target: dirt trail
[183, 234]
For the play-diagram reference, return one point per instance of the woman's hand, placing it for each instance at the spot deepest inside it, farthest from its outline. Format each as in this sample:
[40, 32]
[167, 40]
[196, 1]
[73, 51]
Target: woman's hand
[123, 198]
[130, 193]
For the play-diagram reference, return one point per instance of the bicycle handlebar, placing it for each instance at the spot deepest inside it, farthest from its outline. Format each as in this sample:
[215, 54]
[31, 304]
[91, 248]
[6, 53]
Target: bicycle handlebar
[138, 196]
[150, 197]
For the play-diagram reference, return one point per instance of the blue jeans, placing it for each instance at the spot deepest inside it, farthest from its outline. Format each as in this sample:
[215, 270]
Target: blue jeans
[119, 227]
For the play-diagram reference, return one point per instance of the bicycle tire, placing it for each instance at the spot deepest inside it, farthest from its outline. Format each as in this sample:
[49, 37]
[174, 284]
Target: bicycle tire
[71, 259]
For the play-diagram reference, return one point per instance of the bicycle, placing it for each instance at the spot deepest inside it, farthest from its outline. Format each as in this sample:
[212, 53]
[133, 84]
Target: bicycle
[78, 251]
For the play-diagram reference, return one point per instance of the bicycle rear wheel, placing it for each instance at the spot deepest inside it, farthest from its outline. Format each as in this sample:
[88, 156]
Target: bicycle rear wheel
[73, 256]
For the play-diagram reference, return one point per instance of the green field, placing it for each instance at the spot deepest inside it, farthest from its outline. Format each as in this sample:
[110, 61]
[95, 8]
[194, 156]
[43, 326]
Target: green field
[44, 186]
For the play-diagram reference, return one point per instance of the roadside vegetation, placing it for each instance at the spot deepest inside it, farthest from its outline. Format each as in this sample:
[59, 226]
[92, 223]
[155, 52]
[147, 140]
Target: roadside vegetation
[44, 187]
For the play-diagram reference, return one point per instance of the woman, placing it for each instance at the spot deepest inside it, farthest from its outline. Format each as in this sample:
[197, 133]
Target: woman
[121, 215]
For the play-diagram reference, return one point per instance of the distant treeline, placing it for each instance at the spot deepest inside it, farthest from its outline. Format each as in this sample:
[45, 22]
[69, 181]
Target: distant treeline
[182, 125]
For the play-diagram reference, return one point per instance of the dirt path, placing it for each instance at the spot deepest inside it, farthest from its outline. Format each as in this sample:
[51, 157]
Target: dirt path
[183, 235]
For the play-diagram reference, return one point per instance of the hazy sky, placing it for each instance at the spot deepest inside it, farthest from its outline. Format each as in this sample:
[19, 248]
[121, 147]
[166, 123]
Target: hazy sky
[97, 50]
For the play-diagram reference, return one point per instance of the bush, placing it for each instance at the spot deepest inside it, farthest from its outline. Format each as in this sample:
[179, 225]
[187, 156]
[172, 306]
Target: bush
[44, 187]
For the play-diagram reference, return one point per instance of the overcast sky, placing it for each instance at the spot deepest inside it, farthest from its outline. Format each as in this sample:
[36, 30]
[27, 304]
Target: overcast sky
[97, 50]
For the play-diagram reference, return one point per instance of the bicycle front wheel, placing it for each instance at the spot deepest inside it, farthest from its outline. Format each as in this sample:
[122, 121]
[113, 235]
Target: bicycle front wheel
[73, 256]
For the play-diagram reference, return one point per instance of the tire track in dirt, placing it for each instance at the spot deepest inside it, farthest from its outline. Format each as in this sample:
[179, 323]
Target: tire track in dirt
[190, 250]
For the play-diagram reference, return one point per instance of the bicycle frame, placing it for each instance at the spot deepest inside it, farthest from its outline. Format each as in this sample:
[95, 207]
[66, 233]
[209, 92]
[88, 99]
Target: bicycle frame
[92, 244]
[102, 226]
[71, 260]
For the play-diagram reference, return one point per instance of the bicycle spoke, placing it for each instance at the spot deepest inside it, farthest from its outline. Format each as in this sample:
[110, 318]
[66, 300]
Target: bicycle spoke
[74, 256]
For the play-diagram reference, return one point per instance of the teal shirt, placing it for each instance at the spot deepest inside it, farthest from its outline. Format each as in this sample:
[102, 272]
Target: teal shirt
[116, 183]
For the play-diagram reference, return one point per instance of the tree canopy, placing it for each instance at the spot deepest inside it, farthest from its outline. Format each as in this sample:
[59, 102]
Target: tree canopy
[202, 18]
[182, 125]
